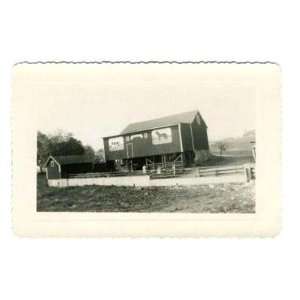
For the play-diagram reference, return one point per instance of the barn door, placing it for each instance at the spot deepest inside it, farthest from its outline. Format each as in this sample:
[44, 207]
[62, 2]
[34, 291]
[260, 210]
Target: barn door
[129, 148]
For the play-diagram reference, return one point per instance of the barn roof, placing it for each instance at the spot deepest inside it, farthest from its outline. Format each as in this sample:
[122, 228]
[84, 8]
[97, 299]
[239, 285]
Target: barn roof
[70, 159]
[186, 117]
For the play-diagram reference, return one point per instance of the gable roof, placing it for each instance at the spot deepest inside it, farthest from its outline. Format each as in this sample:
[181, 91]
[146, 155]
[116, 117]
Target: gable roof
[186, 117]
[69, 159]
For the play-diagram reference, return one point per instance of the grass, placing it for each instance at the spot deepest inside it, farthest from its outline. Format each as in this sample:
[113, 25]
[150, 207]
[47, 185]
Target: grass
[220, 198]
[227, 160]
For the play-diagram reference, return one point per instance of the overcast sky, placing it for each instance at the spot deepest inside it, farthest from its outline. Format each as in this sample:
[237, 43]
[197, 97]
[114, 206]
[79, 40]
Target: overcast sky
[91, 110]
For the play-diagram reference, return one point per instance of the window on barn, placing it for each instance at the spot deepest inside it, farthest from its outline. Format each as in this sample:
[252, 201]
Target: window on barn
[52, 164]
[127, 138]
[145, 135]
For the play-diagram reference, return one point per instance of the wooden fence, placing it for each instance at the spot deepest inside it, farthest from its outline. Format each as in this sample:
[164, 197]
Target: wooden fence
[220, 171]
[174, 170]
[102, 174]
[166, 170]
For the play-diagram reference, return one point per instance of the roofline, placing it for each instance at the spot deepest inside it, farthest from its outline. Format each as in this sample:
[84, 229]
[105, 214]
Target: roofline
[111, 136]
[152, 128]
[61, 164]
[51, 157]
[198, 112]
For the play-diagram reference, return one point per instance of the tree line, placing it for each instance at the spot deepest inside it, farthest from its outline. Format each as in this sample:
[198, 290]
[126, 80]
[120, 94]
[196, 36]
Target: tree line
[63, 143]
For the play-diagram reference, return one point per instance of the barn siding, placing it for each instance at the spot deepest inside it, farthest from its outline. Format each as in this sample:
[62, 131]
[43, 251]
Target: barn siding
[76, 169]
[113, 155]
[200, 136]
[186, 137]
[53, 172]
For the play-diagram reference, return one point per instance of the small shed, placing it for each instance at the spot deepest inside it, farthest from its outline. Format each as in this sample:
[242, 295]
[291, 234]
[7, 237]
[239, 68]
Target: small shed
[62, 166]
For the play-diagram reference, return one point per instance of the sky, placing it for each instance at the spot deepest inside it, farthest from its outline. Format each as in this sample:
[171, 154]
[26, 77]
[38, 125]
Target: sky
[103, 106]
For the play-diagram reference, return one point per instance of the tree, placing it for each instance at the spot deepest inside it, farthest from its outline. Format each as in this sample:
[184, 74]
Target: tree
[100, 155]
[89, 151]
[60, 143]
[222, 147]
[42, 149]
[66, 146]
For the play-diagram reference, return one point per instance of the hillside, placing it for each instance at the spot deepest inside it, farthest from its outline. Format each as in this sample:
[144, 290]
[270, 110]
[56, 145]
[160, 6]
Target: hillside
[240, 146]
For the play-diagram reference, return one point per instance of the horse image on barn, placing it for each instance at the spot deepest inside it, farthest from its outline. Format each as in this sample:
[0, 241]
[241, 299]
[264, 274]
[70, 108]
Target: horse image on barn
[180, 138]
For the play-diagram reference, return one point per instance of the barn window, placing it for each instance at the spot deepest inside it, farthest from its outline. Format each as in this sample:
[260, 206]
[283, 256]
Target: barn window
[52, 164]
[145, 135]
[127, 138]
[198, 120]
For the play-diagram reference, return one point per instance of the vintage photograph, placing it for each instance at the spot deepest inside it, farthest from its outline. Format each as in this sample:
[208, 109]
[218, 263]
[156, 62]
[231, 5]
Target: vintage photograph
[147, 146]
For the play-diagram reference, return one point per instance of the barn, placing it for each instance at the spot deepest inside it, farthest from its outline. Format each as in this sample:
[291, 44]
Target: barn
[174, 138]
[61, 166]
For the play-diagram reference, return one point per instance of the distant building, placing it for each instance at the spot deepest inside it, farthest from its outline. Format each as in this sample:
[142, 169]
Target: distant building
[180, 137]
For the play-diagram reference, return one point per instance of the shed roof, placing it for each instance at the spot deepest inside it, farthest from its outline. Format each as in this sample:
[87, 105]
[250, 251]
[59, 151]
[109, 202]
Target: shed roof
[70, 159]
[185, 117]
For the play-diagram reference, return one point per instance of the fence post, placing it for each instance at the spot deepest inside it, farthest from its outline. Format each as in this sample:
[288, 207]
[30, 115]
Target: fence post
[247, 173]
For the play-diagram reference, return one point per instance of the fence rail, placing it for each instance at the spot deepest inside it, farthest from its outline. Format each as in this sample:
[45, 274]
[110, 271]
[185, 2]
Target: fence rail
[220, 171]
[175, 170]
[102, 174]
[166, 170]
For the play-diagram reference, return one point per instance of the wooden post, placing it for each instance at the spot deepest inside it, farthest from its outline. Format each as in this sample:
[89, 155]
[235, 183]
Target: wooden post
[246, 169]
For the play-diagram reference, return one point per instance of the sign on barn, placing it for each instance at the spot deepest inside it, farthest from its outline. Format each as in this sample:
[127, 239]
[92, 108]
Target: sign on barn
[116, 144]
[161, 136]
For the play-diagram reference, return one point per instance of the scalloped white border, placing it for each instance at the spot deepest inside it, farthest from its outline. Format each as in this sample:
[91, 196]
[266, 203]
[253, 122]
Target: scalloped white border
[265, 77]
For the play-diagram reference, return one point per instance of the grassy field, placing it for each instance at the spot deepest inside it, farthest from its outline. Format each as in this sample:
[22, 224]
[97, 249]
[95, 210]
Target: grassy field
[221, 198]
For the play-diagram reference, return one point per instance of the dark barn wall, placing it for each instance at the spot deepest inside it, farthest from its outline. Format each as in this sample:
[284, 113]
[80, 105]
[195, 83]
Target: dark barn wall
[108, 166]
[186, 137]
[200, 136]
[76, 169]
[143, 147]
[113, 155]
[53, 172]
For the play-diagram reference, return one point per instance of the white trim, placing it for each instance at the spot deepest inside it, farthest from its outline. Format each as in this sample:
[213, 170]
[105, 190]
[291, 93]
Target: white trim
[104, 148]
[180, 136]
[51, 157]
[192, 134]
[47, 173]
[132, 156]
[58, 164]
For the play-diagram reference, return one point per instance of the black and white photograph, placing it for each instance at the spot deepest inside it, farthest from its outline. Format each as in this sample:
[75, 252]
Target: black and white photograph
[149, 150]
[132, 148]
[151, 147]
